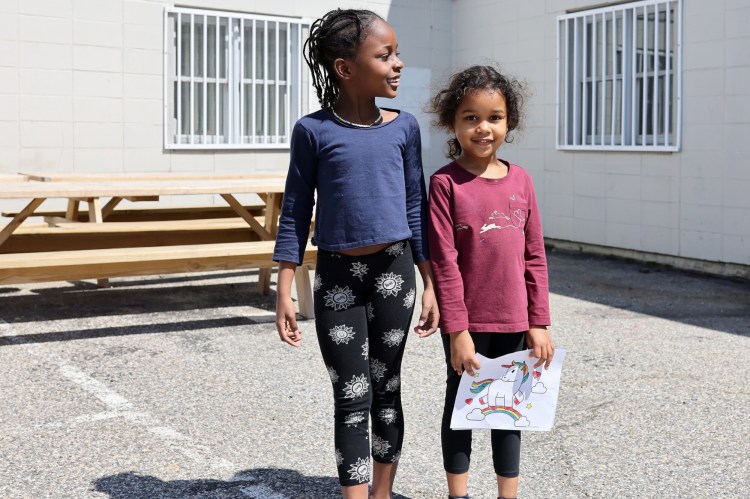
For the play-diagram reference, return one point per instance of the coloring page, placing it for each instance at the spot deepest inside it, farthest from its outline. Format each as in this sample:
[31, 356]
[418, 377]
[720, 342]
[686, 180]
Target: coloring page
[507, 393]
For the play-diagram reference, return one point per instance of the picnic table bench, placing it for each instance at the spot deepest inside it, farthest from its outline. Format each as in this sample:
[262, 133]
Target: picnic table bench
[108, 243]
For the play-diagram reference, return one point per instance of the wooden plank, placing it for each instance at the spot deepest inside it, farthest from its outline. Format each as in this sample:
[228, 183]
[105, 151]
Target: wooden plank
[109, 177]
[66, 240]
[18, 219]
[122, 262]
[25, 190]
[241, 211]
[273, 209]
[304, 291]
[153, 213]
[13, 177]
[108, 208]
[72, 212]
[95, 210]
[62, 226]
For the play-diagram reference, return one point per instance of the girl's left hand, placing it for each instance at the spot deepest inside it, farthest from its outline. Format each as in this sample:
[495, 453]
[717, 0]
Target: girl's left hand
[430, 316]
[539, 340]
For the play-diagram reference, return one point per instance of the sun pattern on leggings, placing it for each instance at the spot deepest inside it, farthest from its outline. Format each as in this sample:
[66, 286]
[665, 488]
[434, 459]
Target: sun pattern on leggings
[360, 471]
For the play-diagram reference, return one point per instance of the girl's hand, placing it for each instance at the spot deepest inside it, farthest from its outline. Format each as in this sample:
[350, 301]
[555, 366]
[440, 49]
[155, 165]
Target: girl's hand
[463, 354]
[430, 316]
[539, 340]
[286, 322]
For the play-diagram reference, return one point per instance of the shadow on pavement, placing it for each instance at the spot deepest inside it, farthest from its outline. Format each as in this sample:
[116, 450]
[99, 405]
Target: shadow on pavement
[84, 299]
[262, 483]
[87, 334]
[717, 303]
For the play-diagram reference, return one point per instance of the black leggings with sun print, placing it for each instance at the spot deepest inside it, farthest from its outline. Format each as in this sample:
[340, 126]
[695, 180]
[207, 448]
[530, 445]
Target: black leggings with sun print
[363, 310]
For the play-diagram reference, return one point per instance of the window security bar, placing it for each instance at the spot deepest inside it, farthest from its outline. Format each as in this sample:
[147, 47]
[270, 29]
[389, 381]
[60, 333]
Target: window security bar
[231, 80]
[619, 77]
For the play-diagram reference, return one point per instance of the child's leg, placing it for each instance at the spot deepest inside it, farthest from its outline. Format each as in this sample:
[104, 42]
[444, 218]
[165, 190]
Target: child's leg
[506, 444]
[390, 309]
[456, 444]
[341, 324]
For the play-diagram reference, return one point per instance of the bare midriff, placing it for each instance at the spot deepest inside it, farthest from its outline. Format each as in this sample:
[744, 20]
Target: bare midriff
[364, 250]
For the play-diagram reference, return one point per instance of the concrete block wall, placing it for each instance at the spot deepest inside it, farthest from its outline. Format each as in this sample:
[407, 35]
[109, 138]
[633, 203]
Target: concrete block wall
[81, 81]
[694, 203]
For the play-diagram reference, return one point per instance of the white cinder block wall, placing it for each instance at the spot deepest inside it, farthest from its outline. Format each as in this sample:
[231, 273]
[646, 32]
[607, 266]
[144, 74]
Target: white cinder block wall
[694, 203]
[81, 86]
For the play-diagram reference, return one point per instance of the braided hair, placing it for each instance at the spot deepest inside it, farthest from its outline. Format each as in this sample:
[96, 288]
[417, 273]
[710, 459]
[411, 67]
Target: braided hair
[445, 104]
[336, 35]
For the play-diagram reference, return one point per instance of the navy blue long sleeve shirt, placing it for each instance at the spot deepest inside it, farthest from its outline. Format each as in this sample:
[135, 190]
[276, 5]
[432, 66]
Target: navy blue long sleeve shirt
[369, 182]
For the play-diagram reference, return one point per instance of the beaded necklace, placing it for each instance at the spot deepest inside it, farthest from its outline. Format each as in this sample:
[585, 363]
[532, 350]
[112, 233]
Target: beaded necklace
[377, 121]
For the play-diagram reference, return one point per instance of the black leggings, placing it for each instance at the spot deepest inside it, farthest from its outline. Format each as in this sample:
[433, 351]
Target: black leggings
[363, 310]
[506, 444]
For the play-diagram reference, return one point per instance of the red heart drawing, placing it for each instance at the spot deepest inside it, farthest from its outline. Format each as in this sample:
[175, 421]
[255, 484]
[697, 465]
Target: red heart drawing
[468, 401]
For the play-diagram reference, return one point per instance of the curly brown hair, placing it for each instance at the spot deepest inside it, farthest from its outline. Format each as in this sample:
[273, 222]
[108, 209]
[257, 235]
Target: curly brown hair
[445, 103]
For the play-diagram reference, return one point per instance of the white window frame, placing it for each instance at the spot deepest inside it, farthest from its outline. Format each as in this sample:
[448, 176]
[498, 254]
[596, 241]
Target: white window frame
[599, 103]
[254, 101]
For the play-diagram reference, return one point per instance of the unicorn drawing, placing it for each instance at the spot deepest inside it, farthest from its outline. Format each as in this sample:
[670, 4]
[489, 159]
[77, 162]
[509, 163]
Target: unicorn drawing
[503, 394]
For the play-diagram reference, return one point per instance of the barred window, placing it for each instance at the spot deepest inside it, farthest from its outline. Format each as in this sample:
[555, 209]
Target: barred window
[232, 80]
[619, 77]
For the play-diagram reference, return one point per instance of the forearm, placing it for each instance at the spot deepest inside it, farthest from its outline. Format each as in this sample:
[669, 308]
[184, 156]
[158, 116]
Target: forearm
[285, 279]
[425, 270]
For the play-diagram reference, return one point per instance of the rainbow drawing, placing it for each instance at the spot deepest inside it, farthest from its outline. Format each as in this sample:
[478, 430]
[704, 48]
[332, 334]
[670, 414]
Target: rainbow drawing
[508, 411]
[478, 386]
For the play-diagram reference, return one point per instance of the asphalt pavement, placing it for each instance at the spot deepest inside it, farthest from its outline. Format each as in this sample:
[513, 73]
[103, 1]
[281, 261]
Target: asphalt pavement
[178, 387]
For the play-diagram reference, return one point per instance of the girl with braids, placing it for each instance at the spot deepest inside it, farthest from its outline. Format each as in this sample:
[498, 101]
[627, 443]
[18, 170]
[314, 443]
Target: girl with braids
[363, 164]
[487, 254]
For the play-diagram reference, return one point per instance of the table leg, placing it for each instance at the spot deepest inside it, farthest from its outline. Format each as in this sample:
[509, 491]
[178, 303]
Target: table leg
[19, 218]
[248, 217]
[273, 208]
[95, 216]
[72, 212]
[304, 292]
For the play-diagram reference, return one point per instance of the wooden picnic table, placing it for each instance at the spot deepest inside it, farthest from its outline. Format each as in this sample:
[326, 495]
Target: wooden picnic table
[103, 193]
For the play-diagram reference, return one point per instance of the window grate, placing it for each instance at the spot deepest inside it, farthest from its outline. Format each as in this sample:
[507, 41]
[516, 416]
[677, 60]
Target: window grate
[232, 80]
[619, 77]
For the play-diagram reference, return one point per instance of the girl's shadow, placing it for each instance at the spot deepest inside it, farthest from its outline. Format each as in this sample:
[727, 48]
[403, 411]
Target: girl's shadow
[263, 483]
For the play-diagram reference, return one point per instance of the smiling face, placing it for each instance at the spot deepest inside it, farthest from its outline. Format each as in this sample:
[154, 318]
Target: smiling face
[377, 68]
[480, 124]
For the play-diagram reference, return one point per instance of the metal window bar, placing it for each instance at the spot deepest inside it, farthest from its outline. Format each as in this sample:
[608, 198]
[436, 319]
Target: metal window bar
[644, 79]
[614, 80]
[277, 134]
[189, 124]
[584, 79]
[205, 78]
[603, 102]
[253, 132]
[593, 78]
[242, 81]
[667, 74]
[655, 105]
[191, 128]
[217, 78]
[626, 98]
[265, 82]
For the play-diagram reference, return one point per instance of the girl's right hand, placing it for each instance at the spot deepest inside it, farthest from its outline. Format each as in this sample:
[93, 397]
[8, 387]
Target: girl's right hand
[286, 322]
[463, 354]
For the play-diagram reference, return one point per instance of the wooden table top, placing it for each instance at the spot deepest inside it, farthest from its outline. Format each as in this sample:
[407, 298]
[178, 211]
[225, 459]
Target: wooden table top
[145, 187]
[136, 177]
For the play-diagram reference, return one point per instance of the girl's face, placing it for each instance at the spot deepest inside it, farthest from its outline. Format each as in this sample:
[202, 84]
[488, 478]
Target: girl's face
[377, 68]
[481, 123]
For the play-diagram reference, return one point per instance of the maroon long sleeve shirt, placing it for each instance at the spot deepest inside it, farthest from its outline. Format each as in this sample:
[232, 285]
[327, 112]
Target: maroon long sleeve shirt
[487, 251]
